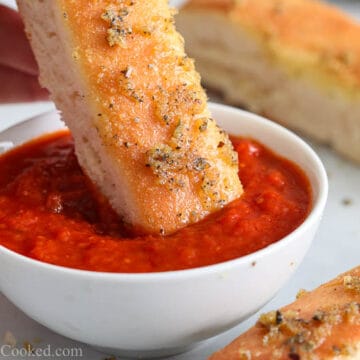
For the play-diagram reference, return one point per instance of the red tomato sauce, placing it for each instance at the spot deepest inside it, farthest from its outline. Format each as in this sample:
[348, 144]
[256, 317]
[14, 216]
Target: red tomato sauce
[50, 212]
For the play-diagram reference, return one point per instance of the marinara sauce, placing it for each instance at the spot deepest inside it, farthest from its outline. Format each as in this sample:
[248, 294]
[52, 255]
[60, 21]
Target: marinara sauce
[49, 211]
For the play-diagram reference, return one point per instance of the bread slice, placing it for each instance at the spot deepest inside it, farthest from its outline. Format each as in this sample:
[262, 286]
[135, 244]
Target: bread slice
[118, 73]
[294, 61]
[320, 325]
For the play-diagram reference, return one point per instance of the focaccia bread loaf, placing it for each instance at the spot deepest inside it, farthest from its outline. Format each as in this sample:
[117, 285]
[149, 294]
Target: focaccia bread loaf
[294, 61]
[132, 99]
[322, 324]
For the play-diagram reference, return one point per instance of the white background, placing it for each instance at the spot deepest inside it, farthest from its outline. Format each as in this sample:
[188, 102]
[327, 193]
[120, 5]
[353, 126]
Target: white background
[335, 249]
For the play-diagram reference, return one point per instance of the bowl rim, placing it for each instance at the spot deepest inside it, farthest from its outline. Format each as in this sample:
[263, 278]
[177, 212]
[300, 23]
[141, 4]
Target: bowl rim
[313, 216]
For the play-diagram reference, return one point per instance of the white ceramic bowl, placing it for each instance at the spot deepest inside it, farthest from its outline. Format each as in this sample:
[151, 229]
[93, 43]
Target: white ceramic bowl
[163, 313]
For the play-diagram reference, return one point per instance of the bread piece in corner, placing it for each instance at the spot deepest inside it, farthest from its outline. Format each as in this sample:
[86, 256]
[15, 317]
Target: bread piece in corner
[132, 99]
[294, 61]
[321, 324]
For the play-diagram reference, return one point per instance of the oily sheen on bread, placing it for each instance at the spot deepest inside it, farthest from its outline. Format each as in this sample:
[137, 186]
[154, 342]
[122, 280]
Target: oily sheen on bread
[322, 324]
[132, 99]
[294, 61]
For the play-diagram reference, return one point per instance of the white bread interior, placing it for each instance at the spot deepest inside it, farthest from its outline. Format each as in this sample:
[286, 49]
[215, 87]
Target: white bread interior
[112, 152]
[236, 62]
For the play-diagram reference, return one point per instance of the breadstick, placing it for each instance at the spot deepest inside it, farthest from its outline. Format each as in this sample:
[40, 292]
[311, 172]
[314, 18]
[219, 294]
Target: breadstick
[321, 324]
[294, 61]
[117, 71]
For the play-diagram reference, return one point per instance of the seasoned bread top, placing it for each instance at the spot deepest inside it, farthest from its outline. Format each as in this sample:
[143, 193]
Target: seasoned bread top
[147, 107]
[305, 35]
[322, 324]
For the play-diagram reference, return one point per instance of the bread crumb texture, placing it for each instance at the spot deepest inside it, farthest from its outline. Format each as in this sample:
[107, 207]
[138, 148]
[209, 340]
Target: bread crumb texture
[152, 112]
[321, 324]
[309, 37]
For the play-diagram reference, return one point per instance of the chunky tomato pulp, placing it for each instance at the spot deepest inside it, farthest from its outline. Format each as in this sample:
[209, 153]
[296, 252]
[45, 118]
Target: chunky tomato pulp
[49, 211]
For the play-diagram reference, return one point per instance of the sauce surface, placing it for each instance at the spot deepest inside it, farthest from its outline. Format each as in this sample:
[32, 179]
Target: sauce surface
[49, 211]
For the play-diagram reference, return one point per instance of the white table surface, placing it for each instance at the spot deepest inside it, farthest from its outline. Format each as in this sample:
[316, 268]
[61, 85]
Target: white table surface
[336, 248]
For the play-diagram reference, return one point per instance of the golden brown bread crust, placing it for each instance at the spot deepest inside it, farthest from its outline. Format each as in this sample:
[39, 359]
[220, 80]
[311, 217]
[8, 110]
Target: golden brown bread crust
[294, 61]
[322, 324]
[305, 35]
[151, 126]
